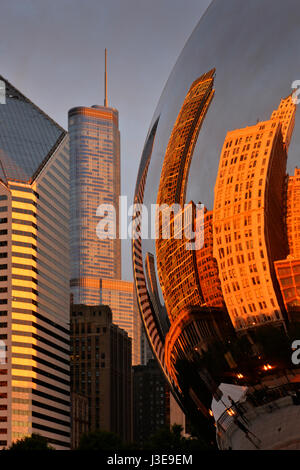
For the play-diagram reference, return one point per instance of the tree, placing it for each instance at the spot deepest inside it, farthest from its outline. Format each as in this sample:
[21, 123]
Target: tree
[171, 440]
[100, 440]
[33, 442]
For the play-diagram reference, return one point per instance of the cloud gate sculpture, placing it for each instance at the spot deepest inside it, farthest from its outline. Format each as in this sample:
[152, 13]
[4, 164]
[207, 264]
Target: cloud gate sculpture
[218, 282]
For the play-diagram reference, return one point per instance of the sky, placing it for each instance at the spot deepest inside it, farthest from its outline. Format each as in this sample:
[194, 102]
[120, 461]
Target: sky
[53, 52]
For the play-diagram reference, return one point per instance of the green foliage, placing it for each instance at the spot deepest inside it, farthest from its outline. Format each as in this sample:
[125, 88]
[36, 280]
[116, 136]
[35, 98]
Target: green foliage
[31, 443]
[171, 440]
[163, 440]
[101, 441]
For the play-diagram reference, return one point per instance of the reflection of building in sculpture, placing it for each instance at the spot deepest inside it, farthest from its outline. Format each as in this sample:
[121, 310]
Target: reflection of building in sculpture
[207, 265]
[192, 331]
[249, 230]
[152, 284]
[285, 113]
[151, 322]
[288, 274]
[293, 214]
[175, 264]
[288, 270]
[176, 165]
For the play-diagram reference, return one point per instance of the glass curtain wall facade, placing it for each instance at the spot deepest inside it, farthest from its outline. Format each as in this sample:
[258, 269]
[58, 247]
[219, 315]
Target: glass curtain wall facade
[95, 180]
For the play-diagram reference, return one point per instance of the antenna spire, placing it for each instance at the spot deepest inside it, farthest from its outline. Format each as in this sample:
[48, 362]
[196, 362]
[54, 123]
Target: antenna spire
[105, 80]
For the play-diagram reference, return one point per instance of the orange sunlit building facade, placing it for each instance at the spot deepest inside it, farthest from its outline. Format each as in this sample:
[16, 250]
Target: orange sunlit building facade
[234, 269]
[34, 274]
[286, 113]
[186, 268]
[249, 233]
[151, 323]
[288, 270]
[178, 268]
[176, 265]
[293, 214]
[206, 264]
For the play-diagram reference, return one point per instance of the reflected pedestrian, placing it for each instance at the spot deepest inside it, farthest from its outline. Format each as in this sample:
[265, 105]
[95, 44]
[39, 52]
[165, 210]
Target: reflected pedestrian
[239, 409]
[247, 432]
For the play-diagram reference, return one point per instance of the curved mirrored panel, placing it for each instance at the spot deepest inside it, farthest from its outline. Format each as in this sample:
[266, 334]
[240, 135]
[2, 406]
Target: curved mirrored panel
[216, 252]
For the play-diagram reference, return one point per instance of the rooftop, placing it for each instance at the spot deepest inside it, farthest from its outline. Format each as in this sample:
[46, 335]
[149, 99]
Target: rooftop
[28, 136]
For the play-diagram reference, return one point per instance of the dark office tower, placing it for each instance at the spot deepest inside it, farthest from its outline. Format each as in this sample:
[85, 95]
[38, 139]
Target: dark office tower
[34, 280]
[151, 401]
[101, 368]
[95, 180]
[79, 418]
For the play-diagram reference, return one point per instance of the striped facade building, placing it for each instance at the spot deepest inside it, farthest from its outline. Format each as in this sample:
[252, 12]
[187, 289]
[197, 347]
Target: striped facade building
[34, 274]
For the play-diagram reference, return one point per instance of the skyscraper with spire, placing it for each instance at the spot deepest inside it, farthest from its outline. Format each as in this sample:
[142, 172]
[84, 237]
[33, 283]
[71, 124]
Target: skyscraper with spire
[95, 180]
